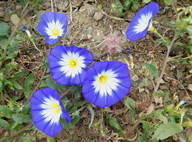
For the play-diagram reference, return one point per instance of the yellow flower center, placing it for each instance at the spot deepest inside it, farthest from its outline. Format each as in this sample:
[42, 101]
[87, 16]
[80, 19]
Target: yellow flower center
[57, 108]
[73, 63]
[103, 79]
[55, 32]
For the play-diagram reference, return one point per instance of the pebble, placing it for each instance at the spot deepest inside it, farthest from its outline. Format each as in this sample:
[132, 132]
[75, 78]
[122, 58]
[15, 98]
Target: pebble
[2, 14]
[190, 87]
[98, 16]
[89, 29]
[15, 19]
[135, 77]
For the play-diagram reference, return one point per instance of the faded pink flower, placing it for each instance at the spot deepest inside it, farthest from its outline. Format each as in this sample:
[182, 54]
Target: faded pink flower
[112, 43]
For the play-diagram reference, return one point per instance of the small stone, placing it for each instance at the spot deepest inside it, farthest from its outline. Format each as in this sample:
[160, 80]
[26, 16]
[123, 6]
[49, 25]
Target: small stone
[98, 16]
[89, 36]
[2, 14]
[15, 19]
[135, 77]
[190, 87]
[89, 29]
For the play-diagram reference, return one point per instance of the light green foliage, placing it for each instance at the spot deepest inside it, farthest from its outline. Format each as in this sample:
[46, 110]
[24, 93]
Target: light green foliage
[152, 69]
[28, 85]
[166, 130]
[4, 124]
[21, 118]
[130, 103]
[25, 139]
[113, 122]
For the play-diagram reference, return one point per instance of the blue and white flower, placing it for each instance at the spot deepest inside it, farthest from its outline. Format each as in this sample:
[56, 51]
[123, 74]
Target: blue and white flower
[46, 110]
[106, 83]
[53, 26]
[68, 65]
[142, 22]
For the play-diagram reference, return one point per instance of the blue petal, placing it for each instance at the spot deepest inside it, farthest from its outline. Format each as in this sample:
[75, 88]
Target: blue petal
[153, 8]
[36, 111]
[50, 40]
[41, 28]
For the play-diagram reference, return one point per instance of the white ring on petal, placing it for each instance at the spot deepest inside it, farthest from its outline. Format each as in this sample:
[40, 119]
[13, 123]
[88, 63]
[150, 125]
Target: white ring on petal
[48, 111]
[109, 86]
[54, 25]
[65, 66]
[143, 22]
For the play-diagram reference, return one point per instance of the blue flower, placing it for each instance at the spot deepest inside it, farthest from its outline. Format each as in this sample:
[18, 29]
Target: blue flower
[142, 22]
[68, 65]
[46, 110]
[106, 83]
[53, 26]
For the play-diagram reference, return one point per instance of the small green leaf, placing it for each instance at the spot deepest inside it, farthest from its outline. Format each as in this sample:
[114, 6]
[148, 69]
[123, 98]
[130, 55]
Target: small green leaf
[163, 94]
[166, 130]
[146, 1]
[25, 139]
[5, 111]
[16, 85]
[92, 114]
[152, 69]
[4, 29]
[158, 115]
[51, 83]
[64, 123]
[21, 118]
[28, 85]
[113, 122]
[51, 139]
[130, 103]
[168, 2]
[1, 86]
[4, 124]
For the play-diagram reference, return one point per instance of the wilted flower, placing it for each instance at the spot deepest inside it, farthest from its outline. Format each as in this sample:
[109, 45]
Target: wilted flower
[142, 22]
[106, 83]
[46, 110]
[68, 65]
[112, 43]
[53, 26]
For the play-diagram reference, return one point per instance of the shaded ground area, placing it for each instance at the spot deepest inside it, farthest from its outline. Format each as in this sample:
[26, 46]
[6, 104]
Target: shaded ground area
[87, 28]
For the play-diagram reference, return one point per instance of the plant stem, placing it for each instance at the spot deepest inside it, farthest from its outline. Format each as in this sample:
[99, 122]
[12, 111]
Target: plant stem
[156, 86]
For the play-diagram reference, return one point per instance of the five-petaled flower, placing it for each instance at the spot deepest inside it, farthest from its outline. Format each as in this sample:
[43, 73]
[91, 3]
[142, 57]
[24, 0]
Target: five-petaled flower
[53, 26]
[106, 83]
[46, 110]
[142, 22]
[68, 65]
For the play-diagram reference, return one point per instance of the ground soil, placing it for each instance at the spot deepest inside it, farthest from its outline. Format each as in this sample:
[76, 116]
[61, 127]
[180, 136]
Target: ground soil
[87, 28]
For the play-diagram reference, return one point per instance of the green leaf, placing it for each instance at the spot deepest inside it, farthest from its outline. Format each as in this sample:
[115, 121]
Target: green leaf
[130, 103]
[21, 118]
[158, 115]
[64, 123]
[17, 75]
[4, 29]
[16, 85]
[168, 2]
[113, 122]
[50, 139]
[4, 124]
[53, 84]
[92, 114]
[5, 111]
[152, 69]
[166, 130]
[28, 85]
[146, 1]
[163, 94]
[1, 86]
[25, 139]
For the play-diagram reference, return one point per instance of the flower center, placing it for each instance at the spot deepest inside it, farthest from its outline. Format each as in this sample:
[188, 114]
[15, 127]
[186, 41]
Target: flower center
[55, 32]
[57, 108]
[103, 79]
[73, 63]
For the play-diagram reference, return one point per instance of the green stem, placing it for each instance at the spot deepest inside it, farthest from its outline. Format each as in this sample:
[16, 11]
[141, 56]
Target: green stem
[35, 45]
[156, 32]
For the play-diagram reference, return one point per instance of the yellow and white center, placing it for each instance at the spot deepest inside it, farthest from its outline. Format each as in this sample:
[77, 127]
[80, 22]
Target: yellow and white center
[102, 79]
[51, 110]
[56, 108]
[106, 82]
[55, 32]
[73, 63]
[54, 29]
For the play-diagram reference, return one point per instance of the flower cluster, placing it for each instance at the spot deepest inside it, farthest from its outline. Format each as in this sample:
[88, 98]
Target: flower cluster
[103, 84]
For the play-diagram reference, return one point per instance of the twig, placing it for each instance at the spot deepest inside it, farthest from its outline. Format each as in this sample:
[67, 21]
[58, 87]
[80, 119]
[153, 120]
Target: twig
[52, 7]
[66, 92]
[18, 132]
